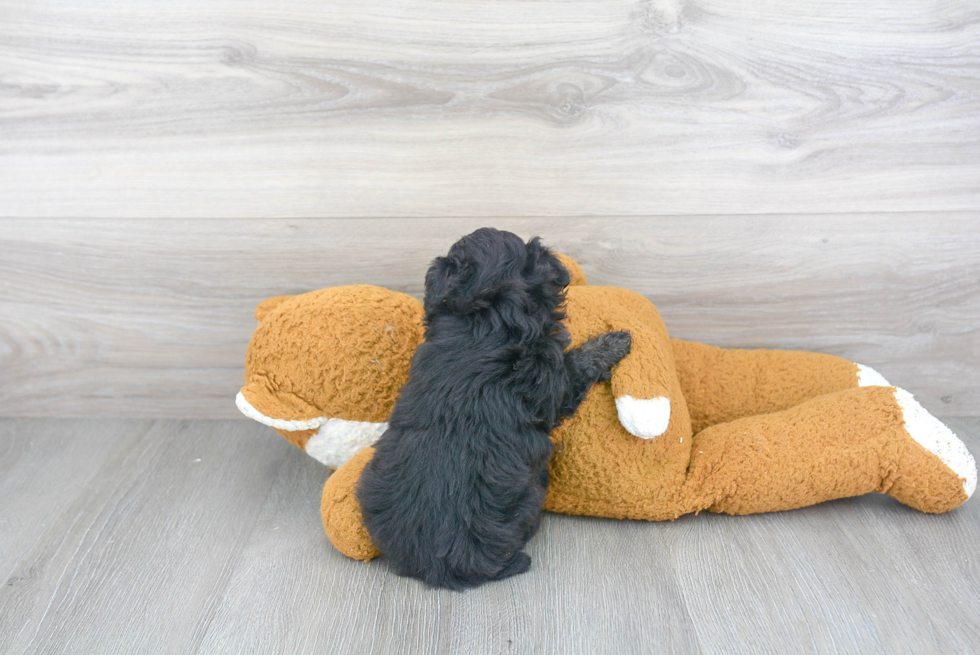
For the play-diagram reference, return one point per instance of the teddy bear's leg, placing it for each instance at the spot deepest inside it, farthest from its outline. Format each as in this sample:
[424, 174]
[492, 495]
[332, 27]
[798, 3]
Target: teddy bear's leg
[837, 445]
[721, 385]
[341, 512]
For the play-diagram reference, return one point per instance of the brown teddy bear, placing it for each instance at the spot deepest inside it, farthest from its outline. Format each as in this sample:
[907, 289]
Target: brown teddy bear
[681, 427]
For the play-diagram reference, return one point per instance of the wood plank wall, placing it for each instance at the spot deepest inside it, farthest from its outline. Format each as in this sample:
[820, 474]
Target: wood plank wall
[776, 174]
[309, 108]
[152, 317]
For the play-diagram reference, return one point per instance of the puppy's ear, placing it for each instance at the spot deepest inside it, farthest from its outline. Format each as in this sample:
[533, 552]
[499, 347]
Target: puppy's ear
[539, 257]
[440, 279]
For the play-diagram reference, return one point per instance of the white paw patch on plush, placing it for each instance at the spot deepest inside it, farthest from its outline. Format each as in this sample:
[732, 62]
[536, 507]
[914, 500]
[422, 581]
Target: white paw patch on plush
[644, 417]
[933, 435]
[868, 377]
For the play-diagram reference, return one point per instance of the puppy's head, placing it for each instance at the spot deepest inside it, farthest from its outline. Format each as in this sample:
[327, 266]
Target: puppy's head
[490, 267]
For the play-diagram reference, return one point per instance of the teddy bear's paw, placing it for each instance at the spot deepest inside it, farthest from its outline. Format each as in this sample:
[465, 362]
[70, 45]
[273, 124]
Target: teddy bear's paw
[335, 441]
[933, 435]
[868, 377]
[644, 417]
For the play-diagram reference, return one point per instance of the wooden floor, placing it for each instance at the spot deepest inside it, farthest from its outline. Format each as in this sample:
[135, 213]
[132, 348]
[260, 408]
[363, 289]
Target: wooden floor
[168, 536]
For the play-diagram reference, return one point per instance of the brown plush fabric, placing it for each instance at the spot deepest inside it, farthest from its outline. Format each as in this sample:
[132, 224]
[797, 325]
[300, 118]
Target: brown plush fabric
[649, 370]
[772, 430]
[297, 437]
[722, 385]
[598, 468]
[341, 512]
[266, 306]
[837, 445]
[342, 352]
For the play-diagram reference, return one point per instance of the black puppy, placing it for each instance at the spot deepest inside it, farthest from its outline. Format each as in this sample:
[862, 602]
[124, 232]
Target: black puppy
[456, 485]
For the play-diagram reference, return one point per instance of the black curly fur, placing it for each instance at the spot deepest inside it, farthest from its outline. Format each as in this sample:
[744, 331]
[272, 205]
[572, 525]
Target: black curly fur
[456, 485]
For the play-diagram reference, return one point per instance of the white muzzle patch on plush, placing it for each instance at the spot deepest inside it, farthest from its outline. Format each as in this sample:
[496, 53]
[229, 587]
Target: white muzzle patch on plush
[645, 418]
[336, 440]
[339, 440]
[933, 435]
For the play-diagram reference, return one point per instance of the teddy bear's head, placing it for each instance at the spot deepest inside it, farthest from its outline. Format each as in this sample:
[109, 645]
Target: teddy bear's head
[324, 368]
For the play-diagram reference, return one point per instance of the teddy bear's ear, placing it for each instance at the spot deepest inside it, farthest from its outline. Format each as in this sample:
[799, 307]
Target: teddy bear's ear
[266, 306]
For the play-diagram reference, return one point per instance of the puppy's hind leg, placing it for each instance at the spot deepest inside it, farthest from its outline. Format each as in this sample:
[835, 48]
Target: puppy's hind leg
[518, 563]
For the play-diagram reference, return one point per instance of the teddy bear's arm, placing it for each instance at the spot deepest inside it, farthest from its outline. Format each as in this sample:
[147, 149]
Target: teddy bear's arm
[837, 445]
[644, 383]
[722, 384]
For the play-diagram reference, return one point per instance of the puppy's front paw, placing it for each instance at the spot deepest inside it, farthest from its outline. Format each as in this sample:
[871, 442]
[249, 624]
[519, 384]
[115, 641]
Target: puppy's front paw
[609, 349]
[617, 345]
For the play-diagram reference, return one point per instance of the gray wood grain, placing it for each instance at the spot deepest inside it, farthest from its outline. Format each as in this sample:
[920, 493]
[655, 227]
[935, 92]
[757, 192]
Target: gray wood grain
[44, 467]
[231, 108]
[147, 549]
[346, 606]
[840, 591]
[151, 318]
[137, 562]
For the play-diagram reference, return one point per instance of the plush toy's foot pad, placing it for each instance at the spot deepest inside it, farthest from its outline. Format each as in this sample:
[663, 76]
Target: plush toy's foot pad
[644, 417]
[868, 377]
[930, 433]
